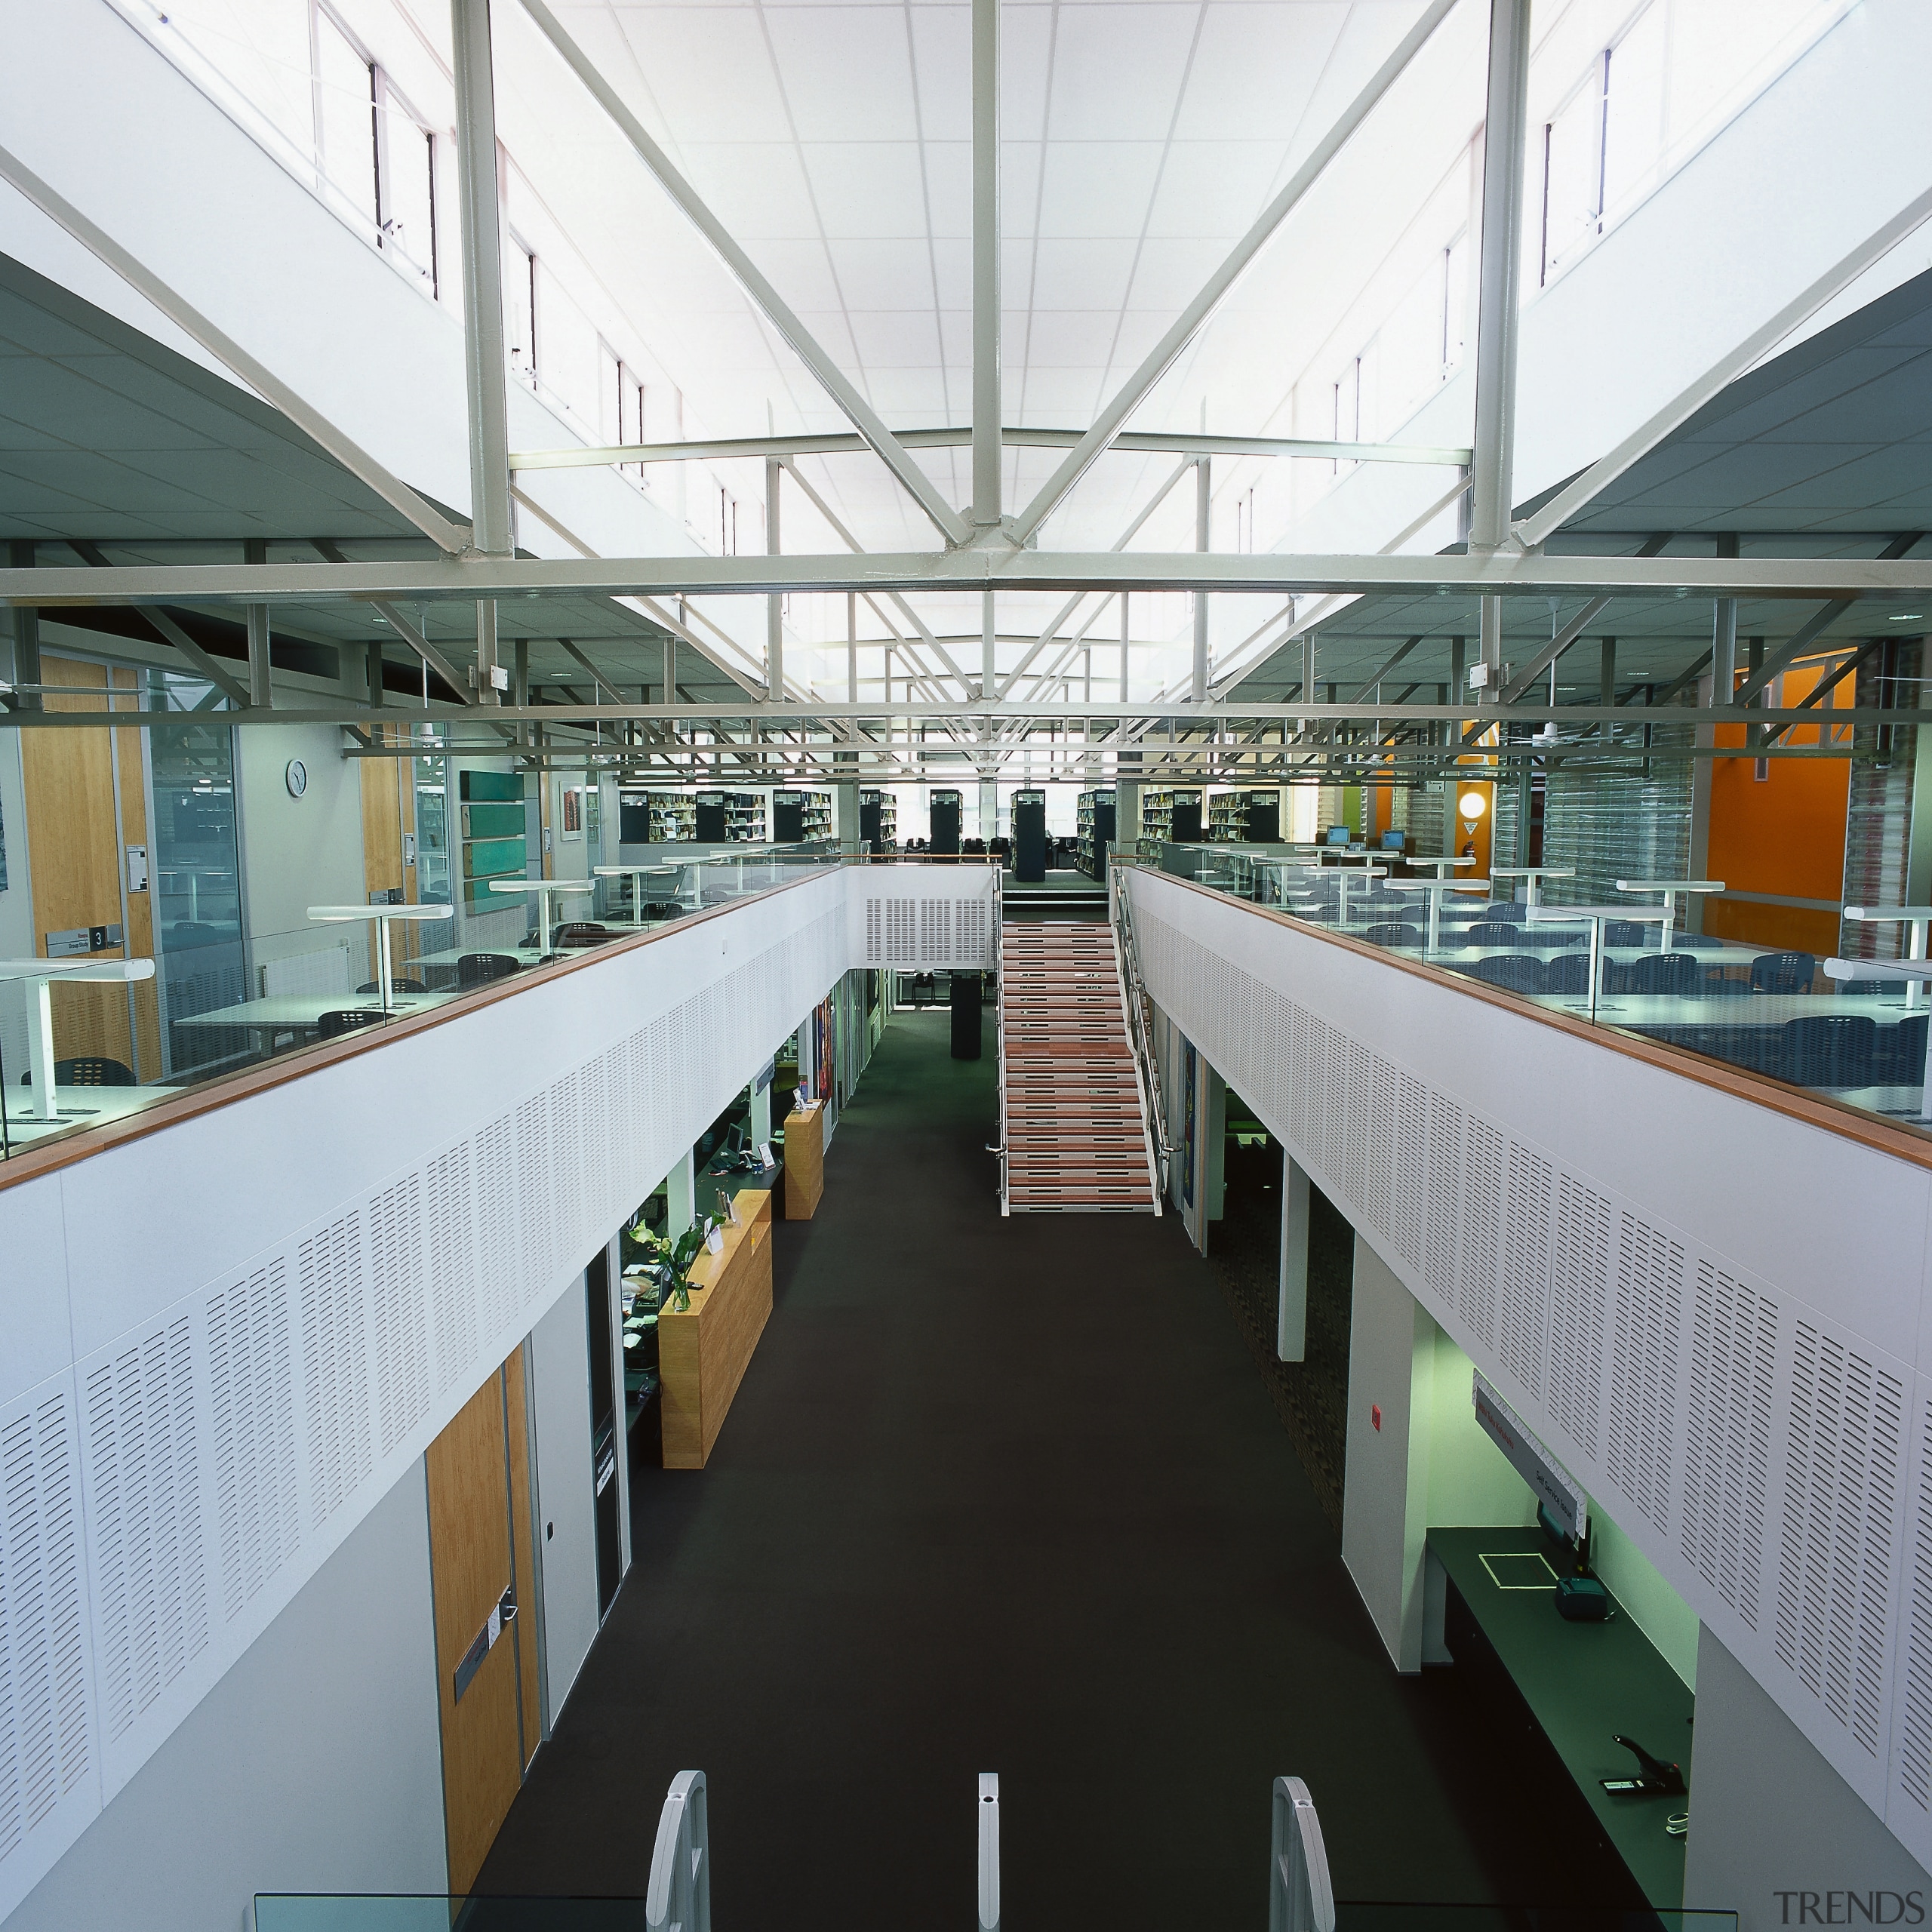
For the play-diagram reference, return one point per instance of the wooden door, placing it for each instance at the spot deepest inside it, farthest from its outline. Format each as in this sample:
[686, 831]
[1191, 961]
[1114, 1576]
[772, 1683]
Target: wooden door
[130, 765]
[479, 1553]
[74, 858]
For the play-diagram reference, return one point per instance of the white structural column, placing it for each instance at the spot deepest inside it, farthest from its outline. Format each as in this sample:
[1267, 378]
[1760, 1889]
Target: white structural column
[1204, 518]
[1724, 637]
[261, 694]
[1291, 1307]
[1499, 301]
[989, 649]
[484, 354]
[774, 604]
[987, 451]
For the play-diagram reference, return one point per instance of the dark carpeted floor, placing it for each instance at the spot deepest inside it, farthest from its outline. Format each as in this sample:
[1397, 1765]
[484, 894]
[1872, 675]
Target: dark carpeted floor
[1011, 1496]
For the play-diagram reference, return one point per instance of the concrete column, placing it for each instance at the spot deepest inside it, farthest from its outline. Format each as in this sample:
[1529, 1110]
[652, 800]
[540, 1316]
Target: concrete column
[1385, 1491]
[680, 1195]
[1291, 1305]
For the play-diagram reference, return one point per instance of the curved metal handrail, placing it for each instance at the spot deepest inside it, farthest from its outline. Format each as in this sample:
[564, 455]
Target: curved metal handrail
[1147, 1068]
[990, 1851]
[678, 1898]
[1300, 1898]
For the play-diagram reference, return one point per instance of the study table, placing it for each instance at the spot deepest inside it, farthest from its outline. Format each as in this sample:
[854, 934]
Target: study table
[38, 976]
[302, 1013]
[75, 1107]
[1585, 1684]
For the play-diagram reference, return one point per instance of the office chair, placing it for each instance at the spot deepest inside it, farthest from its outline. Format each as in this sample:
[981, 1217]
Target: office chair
[581, 933]
[1901, 1052]
[1490, 932]
[474, 968]
[1666, 973]
[1869, 989]
[395, 985]
[1513, 975]
[1570, 974]
[1392, 932]
[89, 1070]
[1783, 972]
[1830, 1050]
[331, 1026]
[1624, 932]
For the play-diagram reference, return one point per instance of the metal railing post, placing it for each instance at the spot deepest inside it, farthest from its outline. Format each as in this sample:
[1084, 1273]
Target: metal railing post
[999, 1019]
[1154, 1120]
[679, 1896]
[990, 1851]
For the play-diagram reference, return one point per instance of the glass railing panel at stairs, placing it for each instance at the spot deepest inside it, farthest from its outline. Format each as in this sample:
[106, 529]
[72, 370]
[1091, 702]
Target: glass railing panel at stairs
[1147, 1065]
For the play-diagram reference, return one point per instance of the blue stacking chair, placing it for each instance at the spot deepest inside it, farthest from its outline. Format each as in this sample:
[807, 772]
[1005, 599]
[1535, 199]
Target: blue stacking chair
[1830, 1050]
[1677, 973]
[1783, 972]
[1515, 976]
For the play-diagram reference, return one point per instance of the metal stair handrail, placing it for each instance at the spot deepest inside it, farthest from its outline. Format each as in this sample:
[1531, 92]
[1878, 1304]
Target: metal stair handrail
[990, 1851]
[999, 1022]
[678, 1898]
[1301, 1896]
[1146, 1067]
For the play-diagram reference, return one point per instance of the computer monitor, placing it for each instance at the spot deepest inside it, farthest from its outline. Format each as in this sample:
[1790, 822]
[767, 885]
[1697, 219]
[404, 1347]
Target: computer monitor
[1338, 835]
[1395, 841]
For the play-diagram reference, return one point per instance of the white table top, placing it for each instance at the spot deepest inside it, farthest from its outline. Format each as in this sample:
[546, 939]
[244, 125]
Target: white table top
[77, 968]
[1544, 914]
[1670, 885]
[79, 1106]
[1760, 1010]
[297, 1011]
[330, 915]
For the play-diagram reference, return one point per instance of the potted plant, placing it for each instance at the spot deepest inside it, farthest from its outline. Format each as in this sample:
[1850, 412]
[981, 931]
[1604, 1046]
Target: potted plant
[664, 1269]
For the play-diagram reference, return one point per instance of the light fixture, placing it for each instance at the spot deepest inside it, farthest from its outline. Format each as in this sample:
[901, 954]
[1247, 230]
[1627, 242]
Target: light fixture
[1472, 804]
[1906, 617]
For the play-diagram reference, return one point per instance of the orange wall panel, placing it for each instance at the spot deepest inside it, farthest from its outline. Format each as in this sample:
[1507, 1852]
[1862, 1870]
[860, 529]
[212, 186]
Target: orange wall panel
[1783, 833]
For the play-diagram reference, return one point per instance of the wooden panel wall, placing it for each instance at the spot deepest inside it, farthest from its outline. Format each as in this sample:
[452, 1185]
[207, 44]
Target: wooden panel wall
[471, 1561]
[74, 857]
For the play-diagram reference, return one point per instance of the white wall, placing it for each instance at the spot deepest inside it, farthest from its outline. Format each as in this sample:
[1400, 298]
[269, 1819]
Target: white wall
[1384, 1482]
[567, 1528]
[1768, 1814]
[1614, 1244]
[296, 853]
[316, 1765]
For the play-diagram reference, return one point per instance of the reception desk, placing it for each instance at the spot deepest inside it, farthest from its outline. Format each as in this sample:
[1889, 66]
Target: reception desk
[804, 1161]
[702, 1353]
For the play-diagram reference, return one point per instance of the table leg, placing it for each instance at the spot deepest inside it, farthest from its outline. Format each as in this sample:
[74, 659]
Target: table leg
[1434, 924]
[40, 1051]
[1669, 920]
[1596, 964]
[385, 981]
[1530, 885]
[542, 922]
[1915, 990]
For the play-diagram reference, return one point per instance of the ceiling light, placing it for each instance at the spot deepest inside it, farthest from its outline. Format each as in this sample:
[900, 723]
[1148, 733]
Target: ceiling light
[1473, 804]
[1906, 617]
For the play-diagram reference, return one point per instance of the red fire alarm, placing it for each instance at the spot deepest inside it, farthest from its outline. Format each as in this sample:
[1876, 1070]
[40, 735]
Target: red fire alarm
[1375, 1413]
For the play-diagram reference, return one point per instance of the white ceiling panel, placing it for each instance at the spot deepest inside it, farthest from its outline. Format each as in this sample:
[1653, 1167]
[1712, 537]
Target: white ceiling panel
[1214, 187]
[884, 274]
[1171, 271]
[1098, 188]
[846, 71]
[708, 70]
[889, 340]
[1071, 338]
[1081, 275]
[1254, 68]
[1117, 70]
[757, 188]
[868, 187]
[942, 37]
[802, 272]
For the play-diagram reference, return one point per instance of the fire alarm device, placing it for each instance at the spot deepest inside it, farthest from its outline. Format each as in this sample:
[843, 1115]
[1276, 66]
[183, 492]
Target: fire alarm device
[1375, 1413]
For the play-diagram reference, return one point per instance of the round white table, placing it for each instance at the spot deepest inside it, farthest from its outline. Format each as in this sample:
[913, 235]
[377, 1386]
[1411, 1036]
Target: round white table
[1532, 876]
[329, 915]
[1670, 888]
[1597, 916]
[1914, 919]
[544, 889]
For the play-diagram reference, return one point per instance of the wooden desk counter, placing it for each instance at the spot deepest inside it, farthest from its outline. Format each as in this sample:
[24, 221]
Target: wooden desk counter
[804, 1161]
[702, 1353]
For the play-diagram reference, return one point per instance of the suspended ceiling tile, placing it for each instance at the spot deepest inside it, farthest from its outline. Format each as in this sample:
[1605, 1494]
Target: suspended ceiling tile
[756, 189]
[896, 340]
[868, 187]
[1071, 338]
[880, 275]
[1082, 275]
[1253, 69]
[1214, 187]
[709, 69]
[1097, 188]
[845, 69]
[1117, 70]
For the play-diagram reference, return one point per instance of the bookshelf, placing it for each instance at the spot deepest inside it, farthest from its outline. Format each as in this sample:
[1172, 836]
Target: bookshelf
[656, 818]
[878, 820]
[731, 818]
[801, 817]
[1096, 832]
[1244, 818]
[1168, 817]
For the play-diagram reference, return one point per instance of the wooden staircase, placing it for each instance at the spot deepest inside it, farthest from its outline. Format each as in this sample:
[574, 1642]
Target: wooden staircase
[1070, 1106]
